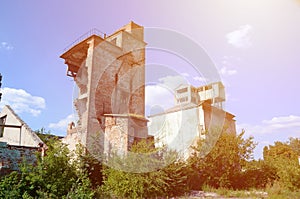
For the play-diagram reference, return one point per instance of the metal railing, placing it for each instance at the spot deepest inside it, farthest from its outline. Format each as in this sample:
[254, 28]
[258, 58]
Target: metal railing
[86, 35]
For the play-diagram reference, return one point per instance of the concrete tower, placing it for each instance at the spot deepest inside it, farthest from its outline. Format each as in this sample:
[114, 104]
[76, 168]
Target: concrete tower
[110, 74]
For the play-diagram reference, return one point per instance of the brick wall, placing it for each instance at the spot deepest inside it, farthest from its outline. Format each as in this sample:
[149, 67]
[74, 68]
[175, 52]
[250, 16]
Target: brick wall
[12, 156]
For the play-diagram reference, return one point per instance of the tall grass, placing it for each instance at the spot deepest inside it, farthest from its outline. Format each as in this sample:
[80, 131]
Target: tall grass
[277, 191]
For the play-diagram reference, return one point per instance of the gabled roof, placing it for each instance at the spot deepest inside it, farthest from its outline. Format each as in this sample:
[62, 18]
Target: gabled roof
[23, 124]
[17, 117]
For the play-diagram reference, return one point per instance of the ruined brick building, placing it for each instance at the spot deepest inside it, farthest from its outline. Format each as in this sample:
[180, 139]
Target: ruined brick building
[110, 74]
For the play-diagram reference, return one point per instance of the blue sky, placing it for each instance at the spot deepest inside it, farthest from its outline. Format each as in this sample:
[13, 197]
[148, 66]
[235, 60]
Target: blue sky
[254, 45]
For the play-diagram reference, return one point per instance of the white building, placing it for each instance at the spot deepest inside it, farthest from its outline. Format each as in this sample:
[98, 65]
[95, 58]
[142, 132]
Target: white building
[196, 112]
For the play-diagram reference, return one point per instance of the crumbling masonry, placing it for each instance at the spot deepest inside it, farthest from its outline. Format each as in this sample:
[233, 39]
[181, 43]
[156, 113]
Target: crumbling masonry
[110, 74]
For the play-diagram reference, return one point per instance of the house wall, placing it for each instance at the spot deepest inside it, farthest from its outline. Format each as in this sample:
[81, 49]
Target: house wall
[12, 156]
[13, 136]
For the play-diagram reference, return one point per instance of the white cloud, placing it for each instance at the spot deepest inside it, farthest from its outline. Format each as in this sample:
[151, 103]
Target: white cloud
[226, 66]
[229, 97]
[200, 79]
[22, 102]
[162, 94]
[227, 72]
[289, 125]
[269, 131]
[62, 124]
[159, 95]
[185, 74]
[240, 38]
[291, 120]
[6, 46]
[172, 82]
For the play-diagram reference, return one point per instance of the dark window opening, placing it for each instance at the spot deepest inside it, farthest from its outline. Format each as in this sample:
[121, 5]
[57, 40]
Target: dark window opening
[183, 90]
[2, 122]
[184, 99]
[114, 41]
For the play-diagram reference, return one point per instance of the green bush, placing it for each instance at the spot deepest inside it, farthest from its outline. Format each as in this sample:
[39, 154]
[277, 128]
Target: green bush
[169, 180]
[56, 175]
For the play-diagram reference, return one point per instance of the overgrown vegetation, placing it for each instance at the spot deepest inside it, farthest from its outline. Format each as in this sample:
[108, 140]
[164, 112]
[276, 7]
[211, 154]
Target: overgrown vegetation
[57, 175]
[228, 169]
[222, 166]
[151, 179]
[283, 159]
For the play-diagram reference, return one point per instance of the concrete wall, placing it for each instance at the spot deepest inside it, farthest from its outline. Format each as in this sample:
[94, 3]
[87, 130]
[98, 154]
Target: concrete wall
[181, 129]
[178, 130]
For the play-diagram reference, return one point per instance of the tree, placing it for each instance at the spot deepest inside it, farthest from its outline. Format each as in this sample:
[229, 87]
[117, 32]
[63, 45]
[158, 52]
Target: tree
[283, 156]
[221, 167]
